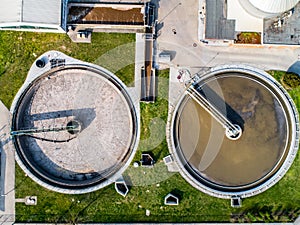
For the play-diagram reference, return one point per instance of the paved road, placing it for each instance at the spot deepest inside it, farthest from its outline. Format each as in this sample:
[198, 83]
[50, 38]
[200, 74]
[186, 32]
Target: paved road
[182, 15]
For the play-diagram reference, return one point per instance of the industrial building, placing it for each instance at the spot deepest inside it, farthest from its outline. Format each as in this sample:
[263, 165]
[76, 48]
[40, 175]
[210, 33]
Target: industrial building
[63, 16]
[32, 15]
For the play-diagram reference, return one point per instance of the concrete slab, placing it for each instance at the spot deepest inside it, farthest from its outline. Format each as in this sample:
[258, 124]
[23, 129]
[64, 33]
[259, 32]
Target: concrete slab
[181, 16]
[78, 36]
[187, 50]
[139, 60]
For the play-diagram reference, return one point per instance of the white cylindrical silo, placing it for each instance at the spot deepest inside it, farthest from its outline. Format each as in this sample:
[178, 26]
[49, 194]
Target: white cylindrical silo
[267, 8]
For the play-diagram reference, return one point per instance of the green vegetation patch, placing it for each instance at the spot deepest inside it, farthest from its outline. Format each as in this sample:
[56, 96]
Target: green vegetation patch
[292, 80]
[153, 121]
[18, 50]
[248, 38]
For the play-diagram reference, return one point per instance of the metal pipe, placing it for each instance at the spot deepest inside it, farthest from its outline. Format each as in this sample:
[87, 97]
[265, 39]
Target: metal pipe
[231, 129]
[43, 130]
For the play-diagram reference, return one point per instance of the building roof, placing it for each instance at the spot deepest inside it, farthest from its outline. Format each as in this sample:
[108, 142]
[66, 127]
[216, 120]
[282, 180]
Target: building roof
[283, 29]
[217, 26]
[273, 6]
[10, 11]
[31, 11]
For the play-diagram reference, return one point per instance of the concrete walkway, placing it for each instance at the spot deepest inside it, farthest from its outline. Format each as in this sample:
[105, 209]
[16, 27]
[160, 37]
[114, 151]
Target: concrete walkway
[7, 164]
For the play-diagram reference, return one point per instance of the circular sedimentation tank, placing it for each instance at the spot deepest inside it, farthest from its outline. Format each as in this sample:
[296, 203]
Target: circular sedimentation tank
[74, 127]
[265, 144]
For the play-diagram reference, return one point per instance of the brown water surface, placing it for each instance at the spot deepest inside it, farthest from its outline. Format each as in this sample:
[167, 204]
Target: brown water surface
[248, 159]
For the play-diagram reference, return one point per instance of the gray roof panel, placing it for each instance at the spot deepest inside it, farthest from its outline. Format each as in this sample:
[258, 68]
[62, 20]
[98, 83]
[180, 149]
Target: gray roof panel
[10, 11]
[31, 11]
[42, 11]
[217, 26]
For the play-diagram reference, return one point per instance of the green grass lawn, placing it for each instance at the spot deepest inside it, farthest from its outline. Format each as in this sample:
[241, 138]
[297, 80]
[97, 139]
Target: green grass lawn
[17, 52]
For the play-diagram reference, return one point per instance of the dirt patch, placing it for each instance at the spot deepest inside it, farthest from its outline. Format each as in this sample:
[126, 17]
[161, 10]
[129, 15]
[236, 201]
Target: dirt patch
[105, 15]
[248, 38]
